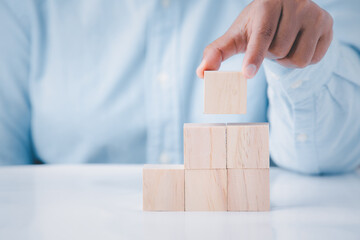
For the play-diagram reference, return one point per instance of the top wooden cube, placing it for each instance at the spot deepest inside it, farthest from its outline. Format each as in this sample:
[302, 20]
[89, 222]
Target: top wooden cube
[225, 92]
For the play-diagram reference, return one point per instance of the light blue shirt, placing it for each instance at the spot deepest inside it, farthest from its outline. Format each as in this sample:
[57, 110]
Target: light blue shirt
[114, 81]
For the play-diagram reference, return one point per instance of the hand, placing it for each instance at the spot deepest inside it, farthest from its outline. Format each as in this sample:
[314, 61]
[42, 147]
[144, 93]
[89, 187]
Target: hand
[295, 33]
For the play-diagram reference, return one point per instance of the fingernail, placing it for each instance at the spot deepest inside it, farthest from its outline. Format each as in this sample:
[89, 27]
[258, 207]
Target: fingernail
[250, 70]
[201, 66]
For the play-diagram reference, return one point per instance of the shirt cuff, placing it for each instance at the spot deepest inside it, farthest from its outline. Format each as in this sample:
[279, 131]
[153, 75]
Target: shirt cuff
[299, 84]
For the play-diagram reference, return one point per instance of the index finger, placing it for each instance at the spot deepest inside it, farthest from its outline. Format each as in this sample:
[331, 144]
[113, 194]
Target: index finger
[262, 33]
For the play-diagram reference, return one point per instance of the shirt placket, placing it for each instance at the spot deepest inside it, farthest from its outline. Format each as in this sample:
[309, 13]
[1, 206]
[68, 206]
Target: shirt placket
[162, 103]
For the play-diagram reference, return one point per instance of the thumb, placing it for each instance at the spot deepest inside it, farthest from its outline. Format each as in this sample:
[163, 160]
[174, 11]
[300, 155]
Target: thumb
[220, 50]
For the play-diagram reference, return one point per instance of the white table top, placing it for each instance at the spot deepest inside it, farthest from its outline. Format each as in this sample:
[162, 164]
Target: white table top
[105, 202]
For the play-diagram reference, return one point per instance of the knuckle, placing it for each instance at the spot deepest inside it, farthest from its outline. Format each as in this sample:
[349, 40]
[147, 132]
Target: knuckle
[266, 31]
[303, 6]
[329, 21]
[316, 59]
[270, 3]
[208, 48]
[322, 16]
[213, 50]
[279, 52]
[301, 62]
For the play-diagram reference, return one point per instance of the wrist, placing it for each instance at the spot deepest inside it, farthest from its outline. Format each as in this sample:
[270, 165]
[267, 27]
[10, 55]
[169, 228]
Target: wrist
[299, 83]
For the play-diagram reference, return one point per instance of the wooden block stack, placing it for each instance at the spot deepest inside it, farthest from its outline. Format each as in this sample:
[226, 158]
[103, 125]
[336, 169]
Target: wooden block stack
[225, 92]
[226, 166]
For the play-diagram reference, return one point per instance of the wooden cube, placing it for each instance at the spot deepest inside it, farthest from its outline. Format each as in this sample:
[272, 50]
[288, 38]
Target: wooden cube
[206, 190]
[248, 145]
[225, 92]
[204, 146]
[163, 188]
[248, 190]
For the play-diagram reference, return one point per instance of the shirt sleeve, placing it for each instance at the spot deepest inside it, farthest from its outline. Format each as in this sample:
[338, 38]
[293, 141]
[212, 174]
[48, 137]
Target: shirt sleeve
[314, 113]
[15, 137]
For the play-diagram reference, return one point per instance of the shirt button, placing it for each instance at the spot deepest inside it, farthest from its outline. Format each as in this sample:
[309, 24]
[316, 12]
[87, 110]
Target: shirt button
[165, 3]
[163, 78]
[164, 158]
[302, 137]
[270, 92]
[296, 84]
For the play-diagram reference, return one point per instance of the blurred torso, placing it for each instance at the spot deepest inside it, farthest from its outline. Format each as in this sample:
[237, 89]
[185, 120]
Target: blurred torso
[114, 81]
